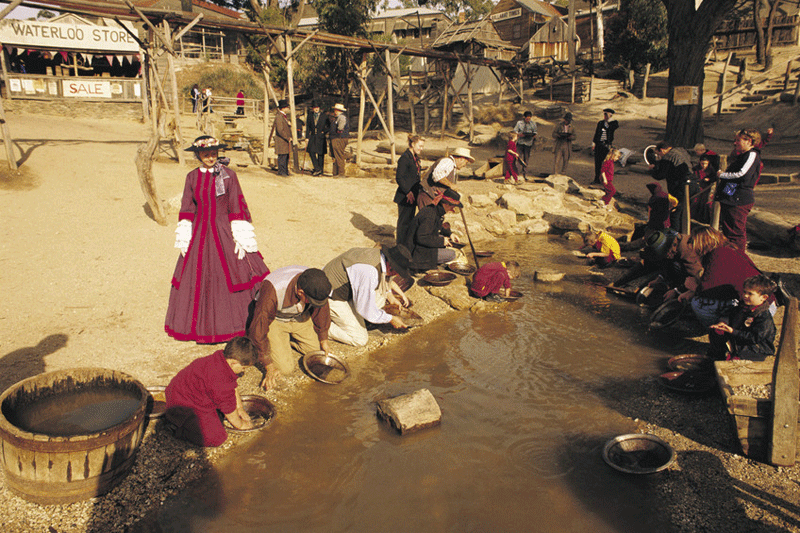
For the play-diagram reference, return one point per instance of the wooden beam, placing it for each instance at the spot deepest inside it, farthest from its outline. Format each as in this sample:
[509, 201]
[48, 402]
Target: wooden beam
[292, 109]
[785, 390]
[362, 70]
[390, 104]
[9, 8]
[164, 39]
[374, 103]
[186, 28]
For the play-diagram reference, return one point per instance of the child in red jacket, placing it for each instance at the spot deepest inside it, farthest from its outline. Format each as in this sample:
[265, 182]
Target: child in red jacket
[199, 392]
[510, 161]
[493, 280]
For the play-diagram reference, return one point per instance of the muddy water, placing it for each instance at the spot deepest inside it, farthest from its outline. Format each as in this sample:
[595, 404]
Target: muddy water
[525, 415]
[75, 413]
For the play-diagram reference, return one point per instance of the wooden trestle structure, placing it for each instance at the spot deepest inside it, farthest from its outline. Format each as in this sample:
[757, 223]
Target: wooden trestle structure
[161, 101]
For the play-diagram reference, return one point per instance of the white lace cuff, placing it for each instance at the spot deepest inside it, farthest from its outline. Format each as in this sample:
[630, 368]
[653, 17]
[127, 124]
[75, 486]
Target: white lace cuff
[183, 234]
[244, 235]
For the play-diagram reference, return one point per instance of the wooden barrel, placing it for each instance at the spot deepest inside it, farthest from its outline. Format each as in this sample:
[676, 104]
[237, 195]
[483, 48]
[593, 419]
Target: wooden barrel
[48, 469]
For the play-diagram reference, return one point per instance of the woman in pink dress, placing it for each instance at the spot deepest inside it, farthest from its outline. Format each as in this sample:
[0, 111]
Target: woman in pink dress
[220, 268]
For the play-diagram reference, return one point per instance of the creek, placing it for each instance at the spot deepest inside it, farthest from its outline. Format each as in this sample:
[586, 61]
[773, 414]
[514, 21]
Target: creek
[526, 409]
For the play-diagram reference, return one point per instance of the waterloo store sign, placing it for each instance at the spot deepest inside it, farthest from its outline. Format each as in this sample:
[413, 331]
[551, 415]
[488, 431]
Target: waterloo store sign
[32, 34]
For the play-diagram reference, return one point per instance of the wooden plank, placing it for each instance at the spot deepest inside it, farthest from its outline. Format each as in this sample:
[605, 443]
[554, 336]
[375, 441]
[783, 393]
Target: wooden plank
[786, 389]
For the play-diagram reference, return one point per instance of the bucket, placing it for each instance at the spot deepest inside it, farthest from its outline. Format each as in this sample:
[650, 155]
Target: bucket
[67, 464]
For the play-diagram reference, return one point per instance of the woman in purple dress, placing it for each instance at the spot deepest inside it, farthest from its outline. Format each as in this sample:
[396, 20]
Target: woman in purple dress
[220, 268]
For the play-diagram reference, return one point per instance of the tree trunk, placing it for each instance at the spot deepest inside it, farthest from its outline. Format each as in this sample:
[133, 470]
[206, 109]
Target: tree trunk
[690, 34]
[599, 34]
[773, 10]
[758, 23]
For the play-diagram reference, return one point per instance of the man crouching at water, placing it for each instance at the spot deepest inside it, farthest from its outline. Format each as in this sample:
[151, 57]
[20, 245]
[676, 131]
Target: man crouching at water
[197, 394]
[361, 281]
[291, 307]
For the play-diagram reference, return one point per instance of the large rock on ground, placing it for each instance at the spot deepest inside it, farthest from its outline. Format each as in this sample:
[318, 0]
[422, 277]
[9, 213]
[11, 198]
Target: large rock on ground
[483, 200]
[562, 183]
[567, 223]
[536, 226]
[520, 203]
[455, 295]
[506, 218]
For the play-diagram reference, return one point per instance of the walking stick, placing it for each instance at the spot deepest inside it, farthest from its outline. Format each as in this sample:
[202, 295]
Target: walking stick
[472, 247]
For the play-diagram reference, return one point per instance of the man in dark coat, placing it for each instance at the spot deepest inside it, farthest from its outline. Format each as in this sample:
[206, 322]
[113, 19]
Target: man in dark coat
[427, 238]
[675, 167]
[283, 138]
[602, 141]
[317, 126]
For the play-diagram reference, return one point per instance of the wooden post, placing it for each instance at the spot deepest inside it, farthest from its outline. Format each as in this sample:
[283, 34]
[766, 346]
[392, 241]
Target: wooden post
[687, 214]
[646, 80]
[390, 104]
[572, 89]
[785, 387]
[444, 100]
[265, 147]
[411, 98]
[292, 110]
[796, 91]
[150, 70]
[362, 72]
[715, 213]
[468, 73]
[178, 138]
[426, 116]
[788, 74]
[521, 87]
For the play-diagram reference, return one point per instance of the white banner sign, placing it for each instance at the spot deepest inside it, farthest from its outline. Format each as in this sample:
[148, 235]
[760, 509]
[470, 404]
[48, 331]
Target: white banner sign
[86, 89]
[510, 14]
[34, 34]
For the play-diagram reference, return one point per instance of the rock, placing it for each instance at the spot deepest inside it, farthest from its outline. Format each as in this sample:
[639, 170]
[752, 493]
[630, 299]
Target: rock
[548, 200]
[561, 183]
[455, 295]
[520, 203]
[569, 223]
[548, 275]
[535, 226]
[503, 216]
[768, 227]
[481, 200]
[572, 236]
[411, 412]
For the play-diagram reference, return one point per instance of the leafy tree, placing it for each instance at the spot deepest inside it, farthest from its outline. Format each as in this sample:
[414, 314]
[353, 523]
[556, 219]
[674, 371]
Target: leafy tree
[638, 35]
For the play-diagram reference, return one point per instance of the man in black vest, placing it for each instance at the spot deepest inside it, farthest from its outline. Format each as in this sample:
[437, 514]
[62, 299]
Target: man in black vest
[317, 126]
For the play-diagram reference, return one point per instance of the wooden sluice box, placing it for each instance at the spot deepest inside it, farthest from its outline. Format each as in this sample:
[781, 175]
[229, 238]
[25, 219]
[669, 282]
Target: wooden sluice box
[763, 398]
[747, 390]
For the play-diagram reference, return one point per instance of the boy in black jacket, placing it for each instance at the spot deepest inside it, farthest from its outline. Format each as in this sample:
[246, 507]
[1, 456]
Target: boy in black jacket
[750, 331]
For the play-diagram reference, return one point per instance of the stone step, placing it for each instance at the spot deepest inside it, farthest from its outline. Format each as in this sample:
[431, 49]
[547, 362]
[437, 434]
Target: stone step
[773, 178]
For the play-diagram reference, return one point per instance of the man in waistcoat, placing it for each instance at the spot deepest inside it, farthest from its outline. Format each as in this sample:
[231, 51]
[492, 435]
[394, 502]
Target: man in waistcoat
[602, 141]
[317, 126]
[442, 176]
[291, 309]
[338, 134]
[428, 239]
[527, 131]
[361, 283]
[283, 138]
[563, 134]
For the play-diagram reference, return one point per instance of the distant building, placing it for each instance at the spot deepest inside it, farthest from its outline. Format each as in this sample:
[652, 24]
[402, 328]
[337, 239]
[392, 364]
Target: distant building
[400, 24]
[517, 21]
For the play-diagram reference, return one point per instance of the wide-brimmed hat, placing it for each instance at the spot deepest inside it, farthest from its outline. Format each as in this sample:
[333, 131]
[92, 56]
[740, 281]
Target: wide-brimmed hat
[399, 258]
[205, 142]
[568, 117]
[283, 103]
[451, 197]
[340, 107]
[316, 286]
[608, 110]
[462, 152]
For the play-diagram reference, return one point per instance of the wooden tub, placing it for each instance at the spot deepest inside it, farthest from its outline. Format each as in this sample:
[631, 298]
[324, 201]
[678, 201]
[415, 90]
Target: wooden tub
[49, 469]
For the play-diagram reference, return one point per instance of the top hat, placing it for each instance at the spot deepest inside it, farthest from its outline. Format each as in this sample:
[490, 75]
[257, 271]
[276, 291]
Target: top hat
[283, 103]
[399, 258]
[205, 142]
[462, 152]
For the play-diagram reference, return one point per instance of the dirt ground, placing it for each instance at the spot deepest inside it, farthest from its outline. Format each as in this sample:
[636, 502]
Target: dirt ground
[86, 270]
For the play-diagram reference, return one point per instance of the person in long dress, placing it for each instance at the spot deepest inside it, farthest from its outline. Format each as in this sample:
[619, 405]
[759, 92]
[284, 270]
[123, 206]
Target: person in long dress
[220, 267]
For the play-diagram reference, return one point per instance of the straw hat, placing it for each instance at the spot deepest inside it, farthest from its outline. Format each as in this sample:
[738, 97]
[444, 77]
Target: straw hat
[340, 107]
[462, 152]
[205, 142]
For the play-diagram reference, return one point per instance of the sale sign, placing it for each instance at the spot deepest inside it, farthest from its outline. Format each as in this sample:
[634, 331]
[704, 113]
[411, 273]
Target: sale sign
[76, 88]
